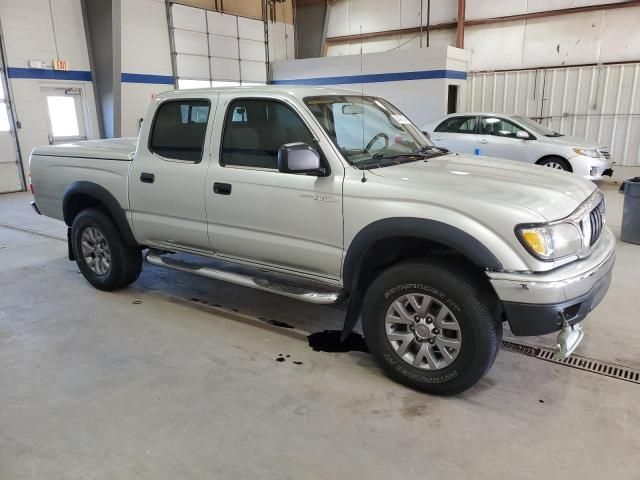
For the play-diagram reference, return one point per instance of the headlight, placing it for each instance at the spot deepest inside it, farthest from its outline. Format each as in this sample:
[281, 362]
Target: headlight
[587, 152]
[551, 242]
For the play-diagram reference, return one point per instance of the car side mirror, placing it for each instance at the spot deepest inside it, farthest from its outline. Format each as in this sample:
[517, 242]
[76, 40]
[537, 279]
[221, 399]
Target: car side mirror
[300, 158]
[521, 134]
[426, 134]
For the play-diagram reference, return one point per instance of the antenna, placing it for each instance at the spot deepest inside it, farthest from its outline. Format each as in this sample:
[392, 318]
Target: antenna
[364, 178]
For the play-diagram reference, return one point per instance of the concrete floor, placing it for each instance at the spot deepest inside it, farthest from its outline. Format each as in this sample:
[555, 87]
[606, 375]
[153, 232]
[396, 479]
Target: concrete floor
[174, 378]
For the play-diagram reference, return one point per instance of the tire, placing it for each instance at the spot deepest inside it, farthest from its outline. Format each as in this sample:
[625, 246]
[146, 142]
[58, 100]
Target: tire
[557, 163]
[96, 228]
[471, 307]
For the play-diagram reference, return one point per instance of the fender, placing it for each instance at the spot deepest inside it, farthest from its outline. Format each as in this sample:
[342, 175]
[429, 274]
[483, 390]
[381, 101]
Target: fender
[105, 198]
[422, 228]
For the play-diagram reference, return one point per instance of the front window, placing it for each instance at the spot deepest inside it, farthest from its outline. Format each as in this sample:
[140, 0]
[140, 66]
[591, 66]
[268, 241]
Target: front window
[499, 127]
[536, 127]
[368, 130]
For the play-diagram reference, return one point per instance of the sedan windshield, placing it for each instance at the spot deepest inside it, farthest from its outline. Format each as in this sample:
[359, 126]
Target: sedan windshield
[370, 132]
[536, 127]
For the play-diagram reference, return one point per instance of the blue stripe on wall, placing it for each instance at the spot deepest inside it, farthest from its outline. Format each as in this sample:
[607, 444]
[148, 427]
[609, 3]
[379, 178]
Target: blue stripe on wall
[143, 78]
[376, 78]
[45, 74]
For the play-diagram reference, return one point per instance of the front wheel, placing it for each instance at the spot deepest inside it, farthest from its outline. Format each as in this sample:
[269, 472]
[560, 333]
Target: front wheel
[431, 327]
[556, 163]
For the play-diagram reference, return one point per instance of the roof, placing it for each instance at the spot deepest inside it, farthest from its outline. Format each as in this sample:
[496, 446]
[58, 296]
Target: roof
[298, 91]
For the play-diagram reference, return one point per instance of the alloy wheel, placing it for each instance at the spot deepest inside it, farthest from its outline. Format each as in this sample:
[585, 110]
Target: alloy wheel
[423, 331]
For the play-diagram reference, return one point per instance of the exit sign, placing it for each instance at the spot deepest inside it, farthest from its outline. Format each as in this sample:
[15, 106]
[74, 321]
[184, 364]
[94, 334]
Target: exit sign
[60, 65]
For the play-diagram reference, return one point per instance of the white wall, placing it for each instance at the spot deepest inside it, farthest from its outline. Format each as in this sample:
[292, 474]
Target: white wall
[422, 100]
[29, 35]
[603, 36]
[146, 52]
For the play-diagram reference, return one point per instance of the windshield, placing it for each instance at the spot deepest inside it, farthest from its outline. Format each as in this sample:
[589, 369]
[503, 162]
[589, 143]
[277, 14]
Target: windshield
[370, 131]
[536, 127]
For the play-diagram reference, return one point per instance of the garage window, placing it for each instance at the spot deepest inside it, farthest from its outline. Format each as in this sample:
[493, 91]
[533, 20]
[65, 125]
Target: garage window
[179, 129]
[458, 125]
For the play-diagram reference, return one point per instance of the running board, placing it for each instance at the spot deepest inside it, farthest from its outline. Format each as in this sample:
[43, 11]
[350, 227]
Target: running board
[321, 297]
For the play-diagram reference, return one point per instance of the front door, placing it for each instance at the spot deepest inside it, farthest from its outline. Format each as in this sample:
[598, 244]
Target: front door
[167, 179]
[498, 138]
[260, 215]
[65, 114]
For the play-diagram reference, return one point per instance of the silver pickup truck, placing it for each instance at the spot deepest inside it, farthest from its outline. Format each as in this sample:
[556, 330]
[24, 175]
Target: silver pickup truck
[328, 196]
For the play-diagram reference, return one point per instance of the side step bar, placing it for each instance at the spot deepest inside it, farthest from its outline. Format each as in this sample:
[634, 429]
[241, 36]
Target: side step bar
[321, 297]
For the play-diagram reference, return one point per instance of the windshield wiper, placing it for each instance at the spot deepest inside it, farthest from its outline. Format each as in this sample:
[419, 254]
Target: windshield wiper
[432, 148]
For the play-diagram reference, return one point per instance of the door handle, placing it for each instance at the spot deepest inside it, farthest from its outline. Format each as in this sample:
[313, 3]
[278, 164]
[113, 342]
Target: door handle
[483, 140]
[436, 139]
[222, 188]
[147, 177]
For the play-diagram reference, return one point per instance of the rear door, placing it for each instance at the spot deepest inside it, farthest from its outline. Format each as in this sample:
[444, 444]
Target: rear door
[258, 214]
[457, 133]
[498, 138]
[167, 178]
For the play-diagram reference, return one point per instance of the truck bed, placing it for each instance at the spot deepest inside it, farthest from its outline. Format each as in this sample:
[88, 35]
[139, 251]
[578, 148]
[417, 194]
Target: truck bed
[113, 149]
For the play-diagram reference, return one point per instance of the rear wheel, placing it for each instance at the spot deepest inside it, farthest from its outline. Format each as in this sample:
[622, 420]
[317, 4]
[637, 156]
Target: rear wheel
[556, 163]
[431, 327]
[102, 256]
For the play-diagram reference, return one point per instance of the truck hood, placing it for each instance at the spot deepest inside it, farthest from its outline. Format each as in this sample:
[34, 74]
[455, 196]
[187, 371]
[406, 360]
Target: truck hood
[111, 149]
[551, 193]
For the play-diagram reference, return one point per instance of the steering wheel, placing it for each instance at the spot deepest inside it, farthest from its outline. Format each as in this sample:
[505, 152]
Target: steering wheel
[375, 139]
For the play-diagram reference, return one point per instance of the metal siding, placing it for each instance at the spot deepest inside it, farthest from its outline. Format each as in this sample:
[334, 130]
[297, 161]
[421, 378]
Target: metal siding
[599, 103]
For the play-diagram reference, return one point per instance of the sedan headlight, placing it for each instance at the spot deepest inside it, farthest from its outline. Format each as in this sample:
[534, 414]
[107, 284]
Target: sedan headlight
[587, 152]
[552, 241]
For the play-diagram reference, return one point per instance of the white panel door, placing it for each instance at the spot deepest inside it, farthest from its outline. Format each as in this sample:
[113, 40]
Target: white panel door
[9, 168]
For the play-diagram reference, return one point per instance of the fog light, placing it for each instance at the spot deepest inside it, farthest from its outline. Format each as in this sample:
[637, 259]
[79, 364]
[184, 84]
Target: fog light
[593, 171]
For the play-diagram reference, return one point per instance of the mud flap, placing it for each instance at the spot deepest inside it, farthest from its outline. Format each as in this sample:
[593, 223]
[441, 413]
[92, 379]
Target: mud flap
[72, 256]
[353, 314]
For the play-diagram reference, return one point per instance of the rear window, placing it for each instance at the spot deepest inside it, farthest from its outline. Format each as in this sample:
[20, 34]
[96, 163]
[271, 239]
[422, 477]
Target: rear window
[458, 125]
[179, 129]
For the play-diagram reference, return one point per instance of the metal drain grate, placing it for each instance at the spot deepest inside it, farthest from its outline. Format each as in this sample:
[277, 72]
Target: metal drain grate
[576, 361]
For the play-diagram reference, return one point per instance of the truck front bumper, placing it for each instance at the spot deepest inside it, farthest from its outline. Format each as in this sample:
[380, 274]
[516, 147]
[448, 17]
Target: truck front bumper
[539, 303]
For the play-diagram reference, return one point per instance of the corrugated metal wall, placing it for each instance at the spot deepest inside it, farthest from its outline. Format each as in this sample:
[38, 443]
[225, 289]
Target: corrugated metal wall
[600, 103]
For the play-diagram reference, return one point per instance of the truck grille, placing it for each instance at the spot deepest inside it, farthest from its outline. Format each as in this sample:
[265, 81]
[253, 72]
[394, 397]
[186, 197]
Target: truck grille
[597, 222]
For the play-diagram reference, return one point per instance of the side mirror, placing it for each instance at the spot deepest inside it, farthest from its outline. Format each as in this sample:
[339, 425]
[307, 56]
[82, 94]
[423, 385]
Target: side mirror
[521, 134]
[300, 158]
[426, 134]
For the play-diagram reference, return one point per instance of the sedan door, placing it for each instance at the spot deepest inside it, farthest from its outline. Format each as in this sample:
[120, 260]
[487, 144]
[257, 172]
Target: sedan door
[498, 137]
[457, 133]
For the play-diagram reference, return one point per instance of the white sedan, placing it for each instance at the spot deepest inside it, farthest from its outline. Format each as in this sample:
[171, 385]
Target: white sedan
[519, 138]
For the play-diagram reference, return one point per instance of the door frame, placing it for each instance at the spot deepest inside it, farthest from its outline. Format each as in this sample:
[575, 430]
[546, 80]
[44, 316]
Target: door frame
[14, 124]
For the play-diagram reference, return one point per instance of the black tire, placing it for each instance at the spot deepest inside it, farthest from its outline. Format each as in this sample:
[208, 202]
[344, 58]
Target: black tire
[551, 162]
[474, 307]
[126, 261]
